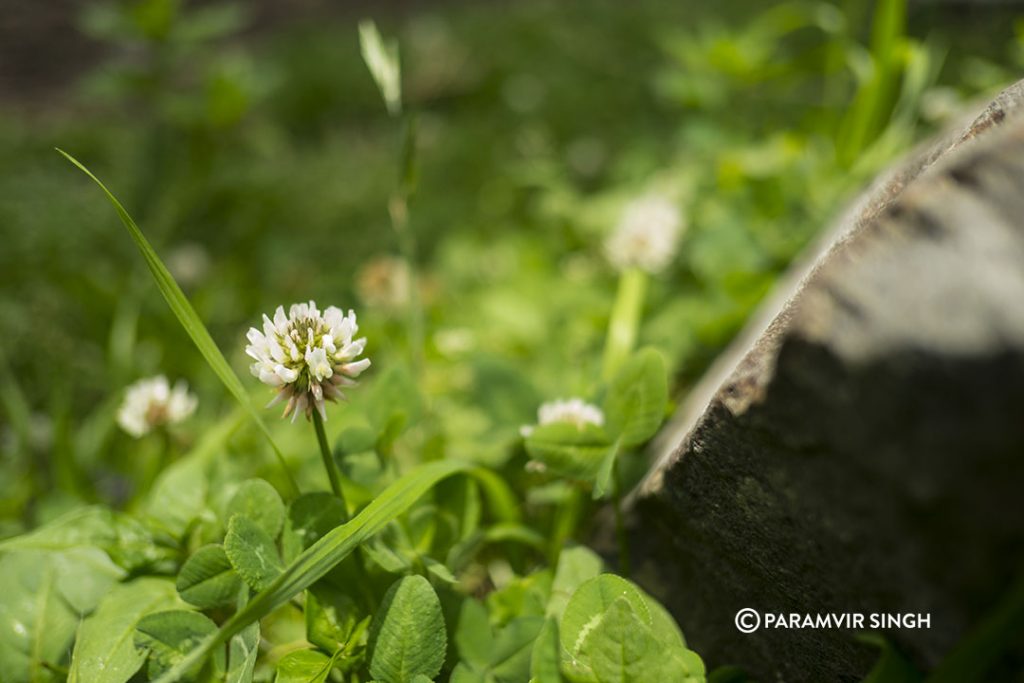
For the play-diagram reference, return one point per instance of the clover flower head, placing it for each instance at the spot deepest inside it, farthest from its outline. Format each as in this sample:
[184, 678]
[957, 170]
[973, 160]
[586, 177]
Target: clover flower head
[308, 356]
[646, 236]
[151, 403]
[574, 411]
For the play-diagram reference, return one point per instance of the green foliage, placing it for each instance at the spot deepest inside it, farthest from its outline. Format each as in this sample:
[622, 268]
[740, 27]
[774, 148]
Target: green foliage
[169, 636]
[500, 656]
[637, 399]
[891, 667]
[259, 502]
[634, 408]
[252, 552]
[44, 597]
[303, 666]
[207, 579]
[264, 173]
[407, 636]
[608, 634]
[104, 649]
[184, 311]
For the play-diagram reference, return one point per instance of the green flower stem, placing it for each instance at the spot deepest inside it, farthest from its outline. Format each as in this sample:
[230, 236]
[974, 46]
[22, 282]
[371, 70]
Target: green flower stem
[398, 209]
[625, 320]
[332, 467]
[566, 519]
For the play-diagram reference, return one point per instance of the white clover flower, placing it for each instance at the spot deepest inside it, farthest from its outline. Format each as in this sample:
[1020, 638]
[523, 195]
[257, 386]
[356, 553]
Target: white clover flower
[574, 411]
[647, 235]
[151, 403]
[307, 355]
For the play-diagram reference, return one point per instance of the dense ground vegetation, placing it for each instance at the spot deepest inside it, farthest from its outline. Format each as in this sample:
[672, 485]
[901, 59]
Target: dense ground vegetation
[470, 230]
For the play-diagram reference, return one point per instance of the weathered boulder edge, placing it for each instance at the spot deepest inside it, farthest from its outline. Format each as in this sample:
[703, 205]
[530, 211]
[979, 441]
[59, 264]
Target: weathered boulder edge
[859, 446]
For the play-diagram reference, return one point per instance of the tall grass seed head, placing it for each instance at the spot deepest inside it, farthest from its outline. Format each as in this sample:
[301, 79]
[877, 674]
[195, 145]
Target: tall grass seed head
[307, 355]
[646, 236]
[151, 403]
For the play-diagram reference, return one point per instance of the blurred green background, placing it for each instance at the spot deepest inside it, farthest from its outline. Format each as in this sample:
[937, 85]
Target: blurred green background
[251, 145]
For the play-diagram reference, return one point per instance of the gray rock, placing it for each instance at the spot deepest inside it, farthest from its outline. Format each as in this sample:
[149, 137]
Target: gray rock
[861, 447]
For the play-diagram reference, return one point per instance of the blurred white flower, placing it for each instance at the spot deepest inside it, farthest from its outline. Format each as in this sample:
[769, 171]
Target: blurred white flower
[189, 263]
[647, 235]
[151, 403]
[307, 355]
[384, 283]
[574, 411]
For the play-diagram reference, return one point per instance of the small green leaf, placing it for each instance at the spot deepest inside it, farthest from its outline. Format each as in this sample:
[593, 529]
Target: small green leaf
[187, 316]
[251, 552]
[170, 635]
[382, 60]
[510, 659]
[575, 566]
[439, 570]
[304, 666]
[104, 650]
[331, 617]
[260, 502]
[311, 516]
[892, 666]
[463, 673]
[621, 647]
[208, 580]
[523, 596]
[605, 473]
[178, 498]
[568, 450]
[589, 604]
[636, 400]
[242, 653]
[407, 636]
[545, 655]
[474, 639]
[386, 557]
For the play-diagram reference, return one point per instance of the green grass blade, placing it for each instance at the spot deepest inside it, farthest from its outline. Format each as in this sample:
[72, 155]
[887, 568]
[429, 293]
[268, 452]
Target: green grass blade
[324, 555]
[187, 316]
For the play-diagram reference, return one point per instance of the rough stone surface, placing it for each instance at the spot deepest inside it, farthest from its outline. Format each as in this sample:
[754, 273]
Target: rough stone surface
[862, 446]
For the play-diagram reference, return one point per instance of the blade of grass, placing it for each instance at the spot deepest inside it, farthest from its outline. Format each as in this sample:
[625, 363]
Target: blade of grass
[324, 555]
[188, 318]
